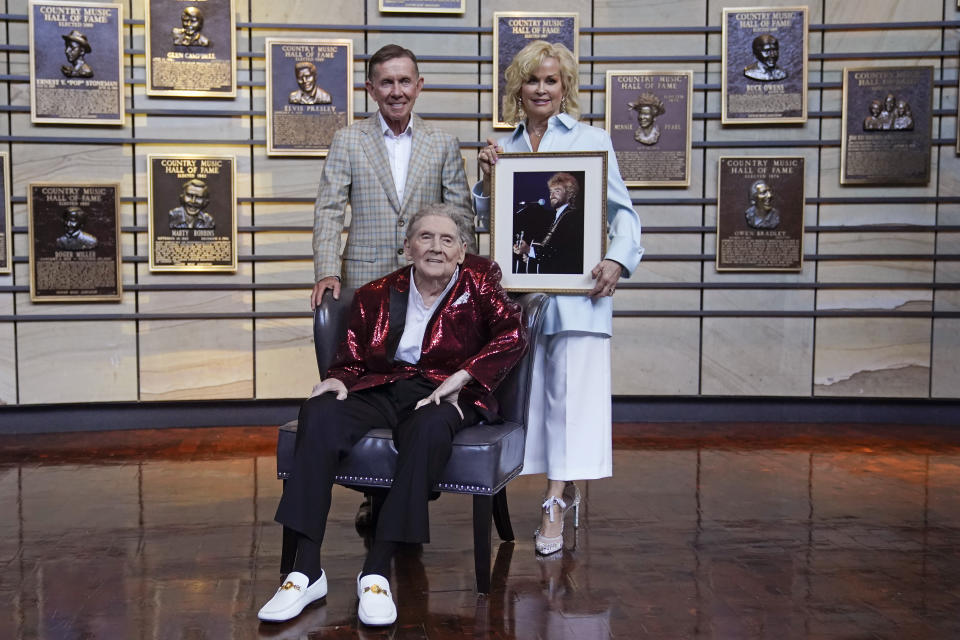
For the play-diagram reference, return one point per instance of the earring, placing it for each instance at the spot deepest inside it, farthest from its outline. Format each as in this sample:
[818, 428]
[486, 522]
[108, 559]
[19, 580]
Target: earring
[563, 104]
[519, 106]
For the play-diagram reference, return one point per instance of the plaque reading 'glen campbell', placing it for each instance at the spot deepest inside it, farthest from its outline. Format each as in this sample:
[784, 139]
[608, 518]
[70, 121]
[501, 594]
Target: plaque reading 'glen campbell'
[76, 63]
[191, 48]
[649, 116]
[764, 65]
[309, 94]
[760, 213]
[886, 125]
[74, 242]
[6, 240]
[513, 30]
[193, 215]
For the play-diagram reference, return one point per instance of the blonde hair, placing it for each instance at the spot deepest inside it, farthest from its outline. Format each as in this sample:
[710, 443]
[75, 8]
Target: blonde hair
[523, 66]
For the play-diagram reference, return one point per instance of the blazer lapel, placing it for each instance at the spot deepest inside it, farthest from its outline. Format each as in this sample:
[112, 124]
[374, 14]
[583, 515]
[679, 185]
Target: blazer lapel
[376, 152]
[398, 320]
[419, 155]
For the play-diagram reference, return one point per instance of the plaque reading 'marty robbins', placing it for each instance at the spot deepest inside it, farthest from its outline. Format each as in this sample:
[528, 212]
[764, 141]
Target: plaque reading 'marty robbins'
[74, 242]
[649, 117]
[760, 213]
[423, 6]
[193, 213]
[191, 48]
[76, 63]
[764, 65]
[513, 30]
[886, 125]
[309, 94]
[6, 239]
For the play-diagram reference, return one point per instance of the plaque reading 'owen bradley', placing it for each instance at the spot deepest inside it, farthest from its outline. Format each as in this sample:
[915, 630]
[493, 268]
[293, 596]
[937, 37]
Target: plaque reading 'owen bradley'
[193, 215]
[76, 63]
[760, 213]
[74, 242]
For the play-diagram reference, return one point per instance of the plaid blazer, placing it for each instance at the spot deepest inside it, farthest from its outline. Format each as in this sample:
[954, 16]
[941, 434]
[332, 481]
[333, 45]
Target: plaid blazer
[357, 171]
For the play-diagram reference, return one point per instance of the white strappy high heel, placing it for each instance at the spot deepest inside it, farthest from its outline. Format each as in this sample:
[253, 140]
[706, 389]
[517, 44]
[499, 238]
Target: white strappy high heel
[546, 546]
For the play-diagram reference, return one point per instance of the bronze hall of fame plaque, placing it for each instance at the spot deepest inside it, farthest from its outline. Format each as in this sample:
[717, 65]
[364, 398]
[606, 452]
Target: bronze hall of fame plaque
[760, 213]
[513, 30]
[6, 237]
[193, 213]
[74, 242]
[423, 6]
[76, 63]
[191, 48]
[309, 94]
[649, 118]
[887, 116]
[764, 77]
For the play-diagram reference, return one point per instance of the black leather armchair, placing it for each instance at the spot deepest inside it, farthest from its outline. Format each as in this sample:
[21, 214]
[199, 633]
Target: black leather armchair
[485, 456]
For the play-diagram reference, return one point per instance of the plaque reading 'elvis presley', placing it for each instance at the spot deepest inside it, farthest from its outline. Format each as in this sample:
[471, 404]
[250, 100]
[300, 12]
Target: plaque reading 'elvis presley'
[309, 94]
[193, 214]
[191, 48]
[6, 241]
[649, 117]
[513, 30]
[74, 242]
[886, 125]
[423, 6]
[76, 63]
[764, 65]
[760, 213]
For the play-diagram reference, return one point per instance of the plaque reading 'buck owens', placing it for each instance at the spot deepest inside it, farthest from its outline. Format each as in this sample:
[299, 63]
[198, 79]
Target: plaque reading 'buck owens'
[760, 213]
[649, 117]
[886, 125]
[6, 241]
[309, 94]
[74, 242]
[191, 48]
[193, 215]
[513, 30]
[764, 65]
[76, 63]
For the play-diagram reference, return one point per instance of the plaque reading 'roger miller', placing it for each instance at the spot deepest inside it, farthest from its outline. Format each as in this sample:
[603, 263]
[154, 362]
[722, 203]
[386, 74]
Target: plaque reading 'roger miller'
[309, 94]
[193, 214]
[76, 63]
[760, 213]
[74, 242]
[513, 30]
[6, 241]
[886, 125]
[764, 65]
[649, 117]
[191, 48]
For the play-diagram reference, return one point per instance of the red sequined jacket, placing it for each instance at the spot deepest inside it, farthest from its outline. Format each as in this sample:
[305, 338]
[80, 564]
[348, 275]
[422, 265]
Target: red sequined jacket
[476, 328]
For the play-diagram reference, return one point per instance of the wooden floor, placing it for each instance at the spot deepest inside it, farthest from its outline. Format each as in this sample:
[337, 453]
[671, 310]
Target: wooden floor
[705, 531]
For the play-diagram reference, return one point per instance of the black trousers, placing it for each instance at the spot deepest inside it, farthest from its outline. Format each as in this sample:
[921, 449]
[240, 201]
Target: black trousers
[328, 428]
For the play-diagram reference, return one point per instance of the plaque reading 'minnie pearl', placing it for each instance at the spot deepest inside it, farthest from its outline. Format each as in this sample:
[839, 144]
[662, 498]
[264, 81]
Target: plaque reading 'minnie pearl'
[191, 48]
[76, 63]
[74, 242]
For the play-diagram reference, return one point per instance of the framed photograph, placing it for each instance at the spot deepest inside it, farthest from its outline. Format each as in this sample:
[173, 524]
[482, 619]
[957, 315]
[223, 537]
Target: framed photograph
[6, 235]
[74, 242]
[423, 6]
[649, 119]
[193, 212]
[887, 125]
[191, 48]
[764, 69]
[513, 30]
[76, 63]
[548, 219]
[760, 203]
[309, 94]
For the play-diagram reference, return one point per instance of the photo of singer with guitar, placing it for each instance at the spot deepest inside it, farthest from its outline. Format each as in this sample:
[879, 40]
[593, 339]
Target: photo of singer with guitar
[548, 231]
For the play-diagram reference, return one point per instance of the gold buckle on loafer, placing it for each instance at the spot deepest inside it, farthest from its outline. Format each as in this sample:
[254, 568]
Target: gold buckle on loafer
[375, 588]
[286, 586]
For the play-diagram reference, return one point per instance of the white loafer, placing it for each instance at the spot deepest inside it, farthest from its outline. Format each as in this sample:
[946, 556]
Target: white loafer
[376, 606]
[292, 596]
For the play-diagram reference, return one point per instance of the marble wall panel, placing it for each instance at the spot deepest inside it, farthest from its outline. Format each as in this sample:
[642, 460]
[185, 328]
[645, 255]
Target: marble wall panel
[872, 357]
[195, 302]
[286, 361]
[655, 356]
[8, 363]
[294, 300]
[874, 299]
[885, 271]
[877, 213]
[945, 381]
[178, 495]
[307, 11]
[757, 299]
[656, 300]
[299, 273]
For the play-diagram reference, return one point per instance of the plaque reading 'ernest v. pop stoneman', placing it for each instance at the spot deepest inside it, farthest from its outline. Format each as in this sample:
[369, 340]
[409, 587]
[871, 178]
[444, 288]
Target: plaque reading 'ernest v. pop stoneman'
[193, 214]
[6, 241]
[886, 125]
[191, 48]
[74, 242]
[764, 65]
[76, 63]
[760, 213]
[649, 117]
[513, 30]
[309, 94]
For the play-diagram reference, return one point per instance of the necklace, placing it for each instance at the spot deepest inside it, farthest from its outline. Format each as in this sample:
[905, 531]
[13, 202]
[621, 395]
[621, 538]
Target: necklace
[540, 133]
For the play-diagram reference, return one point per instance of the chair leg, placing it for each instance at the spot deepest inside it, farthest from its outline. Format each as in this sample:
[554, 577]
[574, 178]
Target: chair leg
[288, 550]
[482, 512]
[501, 515]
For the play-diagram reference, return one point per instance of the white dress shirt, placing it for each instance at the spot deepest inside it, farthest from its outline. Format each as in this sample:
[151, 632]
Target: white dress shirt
[418, 317]
[398, 152]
